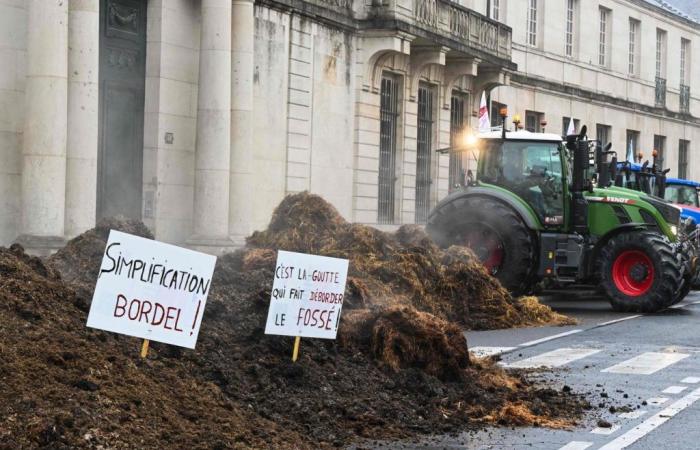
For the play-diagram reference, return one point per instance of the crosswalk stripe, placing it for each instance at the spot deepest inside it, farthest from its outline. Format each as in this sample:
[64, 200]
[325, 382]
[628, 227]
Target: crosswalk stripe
[674, 389]
[555, 358]
[576, 445]
[481, 352]
[652, 422]
[690, 380]
[646, 363]
[633, 414]
[605, 431]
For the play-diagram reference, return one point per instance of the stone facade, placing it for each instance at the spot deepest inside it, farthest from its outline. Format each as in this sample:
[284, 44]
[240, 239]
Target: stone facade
[246, 102]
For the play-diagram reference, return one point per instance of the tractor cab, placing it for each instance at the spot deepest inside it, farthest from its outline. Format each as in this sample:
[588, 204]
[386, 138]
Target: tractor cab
[531, 165]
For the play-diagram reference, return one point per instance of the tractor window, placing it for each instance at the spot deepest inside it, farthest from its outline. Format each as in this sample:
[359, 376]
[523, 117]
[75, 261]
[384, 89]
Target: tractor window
[682, 195]
[532, 170]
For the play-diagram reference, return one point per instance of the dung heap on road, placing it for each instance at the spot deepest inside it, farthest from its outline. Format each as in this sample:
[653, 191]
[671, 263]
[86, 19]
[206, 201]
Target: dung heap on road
[399, 368]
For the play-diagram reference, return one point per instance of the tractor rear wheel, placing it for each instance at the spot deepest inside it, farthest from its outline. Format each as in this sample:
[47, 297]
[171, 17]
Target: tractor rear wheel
[498, 236]
[640, 272]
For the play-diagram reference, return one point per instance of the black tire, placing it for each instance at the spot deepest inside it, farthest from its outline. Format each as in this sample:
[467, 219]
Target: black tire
[660, 276]
[453, 218]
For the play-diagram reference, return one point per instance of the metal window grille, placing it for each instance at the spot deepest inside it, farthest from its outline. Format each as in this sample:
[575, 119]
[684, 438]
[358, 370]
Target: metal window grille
[569, 27]
[532, 23]
[660, 147]
[603, 133]
[424, 150]
[388, 118]
[685, 99]
[602, 44]
[632, 47]
[495, 9]
[457, 126]
[683, 158]
[660, 92]
[532, 121]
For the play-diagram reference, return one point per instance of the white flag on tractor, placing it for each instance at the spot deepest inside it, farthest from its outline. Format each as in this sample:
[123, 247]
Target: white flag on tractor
[571, 129]
[484, 122]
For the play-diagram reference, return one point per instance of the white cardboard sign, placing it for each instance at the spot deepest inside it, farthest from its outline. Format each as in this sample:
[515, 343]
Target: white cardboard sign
[307, 295]
[151, 290]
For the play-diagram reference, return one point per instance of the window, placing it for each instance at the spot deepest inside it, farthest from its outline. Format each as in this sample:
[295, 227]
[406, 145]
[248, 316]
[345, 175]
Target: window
[660, 53]
[533, 120]
[565, 125]
[570, 26]
[532, 23]
[604, 37]
[495, 117]
[388, 121]
[633, 63]
[660, 147]
[496, 9]
[683, 146]
[530, 169]
[681, 194]
[602, 133]
[457, 128]
[685, 55]
[426, 96]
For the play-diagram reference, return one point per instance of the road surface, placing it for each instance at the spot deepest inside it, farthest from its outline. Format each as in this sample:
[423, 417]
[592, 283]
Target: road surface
[649, 362]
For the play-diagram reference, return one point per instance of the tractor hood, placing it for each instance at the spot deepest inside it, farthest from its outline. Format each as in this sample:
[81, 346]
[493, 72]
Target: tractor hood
[638, 207]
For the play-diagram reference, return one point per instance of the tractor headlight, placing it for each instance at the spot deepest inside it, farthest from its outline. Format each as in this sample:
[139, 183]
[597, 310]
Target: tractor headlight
[674, 230]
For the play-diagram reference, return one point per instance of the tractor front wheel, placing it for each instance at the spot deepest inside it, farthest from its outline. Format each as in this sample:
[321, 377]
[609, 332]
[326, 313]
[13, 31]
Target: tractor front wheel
[498, 236]
[640, 272]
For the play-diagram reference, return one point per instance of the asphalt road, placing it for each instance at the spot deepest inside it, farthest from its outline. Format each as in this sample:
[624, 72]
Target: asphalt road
[649, 362]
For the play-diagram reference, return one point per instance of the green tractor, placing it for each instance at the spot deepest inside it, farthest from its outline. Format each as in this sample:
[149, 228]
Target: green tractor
[534, 213]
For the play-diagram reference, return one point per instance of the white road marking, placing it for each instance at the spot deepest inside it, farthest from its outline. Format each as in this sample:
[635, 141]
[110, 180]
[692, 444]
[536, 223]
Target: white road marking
[555, 358]
[549, 338]
[605, 431]
[481, 352]
[646, 363]
[674, 389]
[576, 445]
[610, 322]
[690, 380]
[633, 414]
[656, 401]
[652, 422]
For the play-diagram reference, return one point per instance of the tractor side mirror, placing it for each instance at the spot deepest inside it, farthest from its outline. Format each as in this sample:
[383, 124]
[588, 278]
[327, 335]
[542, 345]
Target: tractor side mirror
[607, 147]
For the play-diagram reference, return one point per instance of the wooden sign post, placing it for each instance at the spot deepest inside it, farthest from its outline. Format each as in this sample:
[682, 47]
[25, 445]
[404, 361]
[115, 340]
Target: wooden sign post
[295, 352]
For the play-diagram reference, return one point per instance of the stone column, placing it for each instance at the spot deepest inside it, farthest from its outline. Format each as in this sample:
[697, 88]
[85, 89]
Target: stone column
[83, 96]
[213, 153]
[242, 66]
[44, 148]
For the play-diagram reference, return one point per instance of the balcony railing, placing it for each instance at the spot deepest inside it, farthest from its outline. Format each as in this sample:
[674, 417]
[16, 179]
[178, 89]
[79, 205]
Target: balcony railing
[660, 93]
[685, 99]
[448, 19]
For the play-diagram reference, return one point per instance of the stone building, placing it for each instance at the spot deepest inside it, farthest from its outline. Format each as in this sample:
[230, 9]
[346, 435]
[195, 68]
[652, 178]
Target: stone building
[198, 116]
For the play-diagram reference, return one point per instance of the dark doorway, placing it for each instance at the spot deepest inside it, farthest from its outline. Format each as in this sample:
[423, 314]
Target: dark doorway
[122, 91]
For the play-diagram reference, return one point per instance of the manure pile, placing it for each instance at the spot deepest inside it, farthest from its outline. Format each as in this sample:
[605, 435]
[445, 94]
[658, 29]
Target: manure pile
[399, 368]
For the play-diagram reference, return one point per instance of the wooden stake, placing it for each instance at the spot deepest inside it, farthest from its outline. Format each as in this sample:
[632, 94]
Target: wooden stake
[295, 352]
[144, 348]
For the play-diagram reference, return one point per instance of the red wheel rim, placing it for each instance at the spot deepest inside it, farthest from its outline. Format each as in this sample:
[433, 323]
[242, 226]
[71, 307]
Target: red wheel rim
[488, 247]
[633, 273]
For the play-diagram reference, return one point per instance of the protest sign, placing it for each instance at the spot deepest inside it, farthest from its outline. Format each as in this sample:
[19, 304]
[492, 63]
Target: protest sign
[151, 290]
[307, 295]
